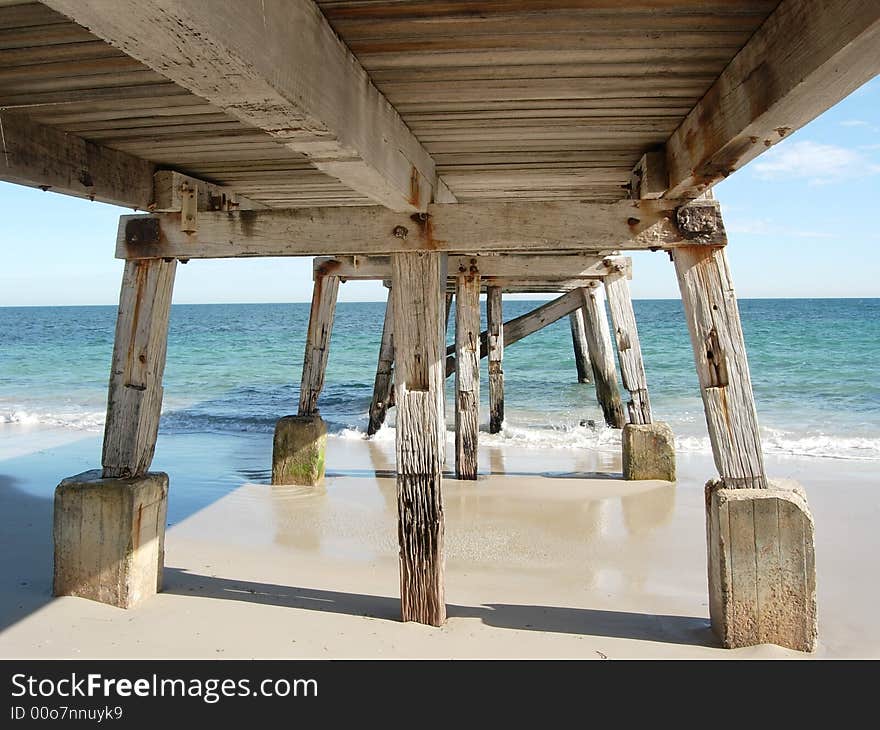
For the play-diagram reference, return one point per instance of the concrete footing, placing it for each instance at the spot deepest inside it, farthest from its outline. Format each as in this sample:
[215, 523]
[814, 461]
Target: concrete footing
[648, 451]
[298, 450]
[110, 537]
[762, 574]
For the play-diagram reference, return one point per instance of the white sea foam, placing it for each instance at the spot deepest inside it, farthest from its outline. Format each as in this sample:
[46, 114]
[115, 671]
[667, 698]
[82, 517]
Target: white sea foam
[74, 420]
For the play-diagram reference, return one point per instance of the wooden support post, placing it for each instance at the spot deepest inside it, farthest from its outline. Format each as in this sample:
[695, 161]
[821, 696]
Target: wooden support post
[467, 372]
[135, 394]
[384, 376]
[720, 355]
[419, 280]
[581, 351]
[495, 346]
[601, 357]
[318, 342]
[629, 350]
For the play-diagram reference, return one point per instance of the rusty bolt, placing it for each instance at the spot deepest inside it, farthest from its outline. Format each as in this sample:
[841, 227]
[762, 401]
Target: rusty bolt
[400, 232]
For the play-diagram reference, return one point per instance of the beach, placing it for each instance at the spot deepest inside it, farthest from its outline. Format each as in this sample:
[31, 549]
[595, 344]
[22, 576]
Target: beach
[548, 554]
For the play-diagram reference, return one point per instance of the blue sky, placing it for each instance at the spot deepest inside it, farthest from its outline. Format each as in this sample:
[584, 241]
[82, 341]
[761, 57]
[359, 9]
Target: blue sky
[801, 221]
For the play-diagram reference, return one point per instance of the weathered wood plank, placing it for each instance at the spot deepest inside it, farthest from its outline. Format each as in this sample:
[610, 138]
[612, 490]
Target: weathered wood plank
[135, 392]
[521, 267]
[601, 357]
[649, 178]
[417, 299]
[384, 373]
[276, 65]
[170, 188]
[467, 373]
[581, 351]
[526, 324]
[807, 56]
[722, 366]
[40, 156]
[465, 228]
[629, 349]
[318, 343]
[495, 347]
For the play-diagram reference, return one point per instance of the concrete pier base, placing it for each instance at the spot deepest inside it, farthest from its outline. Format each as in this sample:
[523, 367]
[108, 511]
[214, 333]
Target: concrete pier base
[298, 450]
[648, 451]
[762, 574]
[110, 537]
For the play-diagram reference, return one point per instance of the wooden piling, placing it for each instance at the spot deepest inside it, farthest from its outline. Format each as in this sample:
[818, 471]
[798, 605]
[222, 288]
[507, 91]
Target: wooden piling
[629, 349]
[135, 391]
[418, 284]
[318, 342]
[384, 376]
[467, 372]
[495, 347]
[601, 357]
[722, 366]
[579, 342]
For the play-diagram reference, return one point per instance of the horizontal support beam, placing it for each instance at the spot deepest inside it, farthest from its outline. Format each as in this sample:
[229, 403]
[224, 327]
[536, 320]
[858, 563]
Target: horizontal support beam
[518, 267]
[278, 66]
[807, 56]
[43, 157]
[456, 228]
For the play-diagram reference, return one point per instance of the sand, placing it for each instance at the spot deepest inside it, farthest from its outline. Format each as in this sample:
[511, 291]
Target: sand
[549, 554]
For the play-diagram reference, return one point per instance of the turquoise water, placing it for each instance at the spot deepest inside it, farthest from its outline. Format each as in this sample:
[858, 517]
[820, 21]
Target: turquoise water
[236, 368]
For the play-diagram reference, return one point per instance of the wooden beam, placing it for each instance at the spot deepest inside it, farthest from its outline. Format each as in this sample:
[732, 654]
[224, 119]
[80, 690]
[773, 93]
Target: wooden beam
[276, 65]
[457, 228]
[807, 56]
[526, 324]
[417, 299]
[495, 347]
[384, 373]
[722, 366]
[43, 157]
[579, 342]
[135, 393]
[317, 343]
[467, 374]
[522, 267]
[629, 349]
[171, 190]
[601, 356]
[650, 178]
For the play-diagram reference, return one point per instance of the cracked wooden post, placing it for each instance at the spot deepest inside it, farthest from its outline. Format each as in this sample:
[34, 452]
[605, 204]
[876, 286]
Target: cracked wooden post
[761, 562]
[384, 375]
[467, 372]
[419, 284]
[109, 525]
[601, 357]
[300, 443]
[495, 347]
[648, 448]
[581, 351]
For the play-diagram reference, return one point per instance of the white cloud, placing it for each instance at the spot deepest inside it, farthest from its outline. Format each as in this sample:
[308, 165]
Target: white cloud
[855, 123]
[819, 164]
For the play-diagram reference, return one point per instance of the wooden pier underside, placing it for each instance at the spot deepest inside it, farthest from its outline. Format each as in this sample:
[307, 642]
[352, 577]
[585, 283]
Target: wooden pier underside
[505, 145]
[402, 103]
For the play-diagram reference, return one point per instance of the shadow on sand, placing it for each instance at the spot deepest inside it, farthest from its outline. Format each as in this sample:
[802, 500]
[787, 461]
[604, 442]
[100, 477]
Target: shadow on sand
[687, 630]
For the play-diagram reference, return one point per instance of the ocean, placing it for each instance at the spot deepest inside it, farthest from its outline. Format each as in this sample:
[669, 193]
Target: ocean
[235, 369]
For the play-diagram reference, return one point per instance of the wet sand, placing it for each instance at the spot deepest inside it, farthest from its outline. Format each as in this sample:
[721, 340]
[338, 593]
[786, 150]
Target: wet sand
[549, 554]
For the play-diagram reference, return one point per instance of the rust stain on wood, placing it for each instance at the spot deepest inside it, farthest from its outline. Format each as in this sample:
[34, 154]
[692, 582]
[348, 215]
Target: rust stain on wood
[142, 230]
[415, 197]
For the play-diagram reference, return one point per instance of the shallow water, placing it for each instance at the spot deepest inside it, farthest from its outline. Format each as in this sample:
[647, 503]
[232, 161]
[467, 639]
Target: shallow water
[235, 368]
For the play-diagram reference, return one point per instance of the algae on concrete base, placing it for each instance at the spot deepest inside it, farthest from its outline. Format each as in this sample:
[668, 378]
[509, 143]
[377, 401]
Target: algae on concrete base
[648, 451]
[298, 450]
[109, 537]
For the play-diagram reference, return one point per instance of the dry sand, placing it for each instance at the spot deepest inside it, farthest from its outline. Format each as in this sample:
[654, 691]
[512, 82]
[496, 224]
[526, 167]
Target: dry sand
[560, 560]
